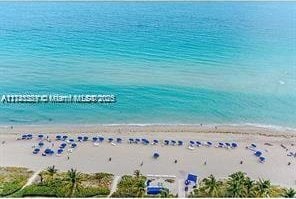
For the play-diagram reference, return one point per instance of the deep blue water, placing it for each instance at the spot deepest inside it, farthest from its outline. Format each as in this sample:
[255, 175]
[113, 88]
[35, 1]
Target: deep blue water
[190, 62]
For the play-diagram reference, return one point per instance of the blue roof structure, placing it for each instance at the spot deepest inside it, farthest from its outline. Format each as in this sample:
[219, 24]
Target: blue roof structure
[192, 178]
[154, 190]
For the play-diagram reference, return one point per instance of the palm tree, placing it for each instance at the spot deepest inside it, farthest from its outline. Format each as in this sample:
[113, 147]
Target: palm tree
[263, 188]
[51, 171]
[74, 177]
[211, 186]
[249, 186]
[289, 193]
[236, 185]
[137, 173]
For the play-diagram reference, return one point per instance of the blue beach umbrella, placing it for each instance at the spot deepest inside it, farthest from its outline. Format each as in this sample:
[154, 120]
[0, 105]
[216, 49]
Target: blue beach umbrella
[198, 142]
[131, 140]
[40, 136]
[40, 144]
[166, 142]
[253, 145]
[227, 144]
[36, 151]
[155, 155]
[234, 145]
[155, 141]
[180, 142]
[261, 159]
[137, 140]
[118, 140]
[101, 139]
[63, 145]
[173, 142]
[258, 153]
[209, 143]
[65, 137]
[58, 137]
[95, 139]
[71, 140]
[73, 145]
[191, 142]
[79, 138]
[85, 138]
[60, 151]
[110, 139]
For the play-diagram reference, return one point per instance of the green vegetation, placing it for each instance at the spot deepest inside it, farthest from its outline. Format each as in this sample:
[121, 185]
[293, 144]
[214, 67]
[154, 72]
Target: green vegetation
[68, 184]
[239, 185]
[13, 179]
[131, 186]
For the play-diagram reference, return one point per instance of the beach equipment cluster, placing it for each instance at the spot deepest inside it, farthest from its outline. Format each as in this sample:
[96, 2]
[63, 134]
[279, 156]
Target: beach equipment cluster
[59, 143]
[257, 152]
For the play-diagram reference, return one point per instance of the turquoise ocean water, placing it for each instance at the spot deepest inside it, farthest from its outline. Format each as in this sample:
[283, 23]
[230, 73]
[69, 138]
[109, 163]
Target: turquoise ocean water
[193, 62]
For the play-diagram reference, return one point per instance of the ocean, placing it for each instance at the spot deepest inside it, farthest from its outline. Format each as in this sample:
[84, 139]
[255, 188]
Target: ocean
[166, 62]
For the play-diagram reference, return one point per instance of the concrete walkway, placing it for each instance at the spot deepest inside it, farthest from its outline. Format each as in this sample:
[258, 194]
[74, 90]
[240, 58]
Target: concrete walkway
[114, 185]
[32, 179]
[181, 188]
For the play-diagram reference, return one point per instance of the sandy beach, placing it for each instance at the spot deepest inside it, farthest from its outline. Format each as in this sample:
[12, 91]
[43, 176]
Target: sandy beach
[274, 143]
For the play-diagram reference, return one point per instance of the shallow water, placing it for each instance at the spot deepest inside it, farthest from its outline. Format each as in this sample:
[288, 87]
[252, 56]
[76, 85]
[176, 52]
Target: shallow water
[190, 62]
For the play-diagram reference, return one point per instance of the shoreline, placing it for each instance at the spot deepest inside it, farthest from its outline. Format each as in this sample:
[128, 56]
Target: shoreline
[245, 129]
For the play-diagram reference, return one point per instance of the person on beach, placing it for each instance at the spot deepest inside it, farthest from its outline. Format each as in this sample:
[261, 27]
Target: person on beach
[241, 162]
[142, 163]
[68, 157]
[289, 163]
[110, 159]
[205, 163]
[176, 161]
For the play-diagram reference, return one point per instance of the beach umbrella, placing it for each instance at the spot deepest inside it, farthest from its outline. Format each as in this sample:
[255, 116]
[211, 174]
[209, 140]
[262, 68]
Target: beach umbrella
[155, 141]
[101, 139]
[58, 137]
[85, 138]
[131, 140]
[63, 145]
[40, 136]
[71, 140]
[137, 140]
[40, 144]
[258, 153]
[166, 142]
[253, 145]
[156, 155]
[221, 143]
[173, 142]
[198, 143]
[47, 151]
[227, 144]
[43, 154]
[36, 151]
[110, 139]
[79, 138]
[30, 135]
[94, 139]
[191, 142]
[24, 137]
[73, 145]
[180, 142]
[60, 151]
[261, 159]
[118, 140]
[209, 143]
[234, 145]
[65, 137]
